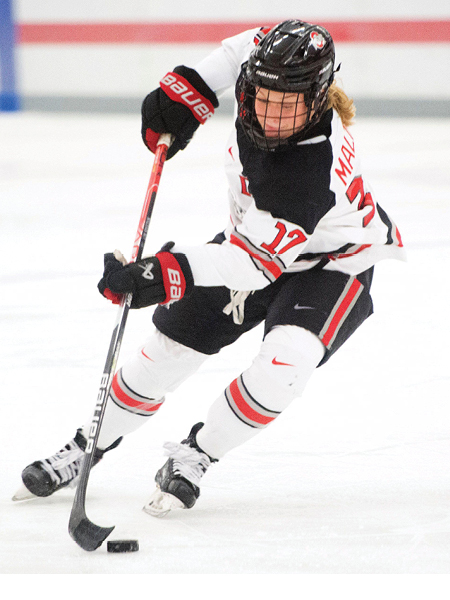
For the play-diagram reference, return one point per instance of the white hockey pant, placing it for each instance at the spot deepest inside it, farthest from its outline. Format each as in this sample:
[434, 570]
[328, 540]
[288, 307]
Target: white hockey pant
[279, 373]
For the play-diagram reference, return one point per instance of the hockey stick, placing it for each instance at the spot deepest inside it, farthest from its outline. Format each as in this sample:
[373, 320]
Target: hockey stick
[85, 533]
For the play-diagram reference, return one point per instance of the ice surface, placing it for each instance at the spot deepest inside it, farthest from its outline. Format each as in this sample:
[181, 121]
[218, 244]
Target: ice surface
[351, 479]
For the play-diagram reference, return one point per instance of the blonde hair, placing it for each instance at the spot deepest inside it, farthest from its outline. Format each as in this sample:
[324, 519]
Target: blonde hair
[343, 105]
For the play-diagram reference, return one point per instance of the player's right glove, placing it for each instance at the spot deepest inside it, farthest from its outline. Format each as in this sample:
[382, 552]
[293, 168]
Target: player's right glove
[181, 103]
[160, 279]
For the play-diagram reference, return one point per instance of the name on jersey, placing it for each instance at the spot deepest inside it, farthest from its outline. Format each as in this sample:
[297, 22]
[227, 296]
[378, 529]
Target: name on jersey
[346, 156]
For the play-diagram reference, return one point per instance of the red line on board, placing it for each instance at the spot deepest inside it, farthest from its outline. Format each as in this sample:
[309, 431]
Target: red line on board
[404, 31]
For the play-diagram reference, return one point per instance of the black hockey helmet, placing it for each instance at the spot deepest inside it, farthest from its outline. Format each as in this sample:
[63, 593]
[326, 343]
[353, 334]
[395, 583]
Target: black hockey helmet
[294, 57]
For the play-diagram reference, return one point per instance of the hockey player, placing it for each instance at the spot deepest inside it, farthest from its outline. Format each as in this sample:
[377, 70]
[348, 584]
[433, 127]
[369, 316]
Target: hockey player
[298, 254]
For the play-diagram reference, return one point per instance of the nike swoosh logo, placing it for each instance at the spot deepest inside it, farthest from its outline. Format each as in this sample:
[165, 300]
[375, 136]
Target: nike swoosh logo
[275, 362]
[142, 352]
[297, 307]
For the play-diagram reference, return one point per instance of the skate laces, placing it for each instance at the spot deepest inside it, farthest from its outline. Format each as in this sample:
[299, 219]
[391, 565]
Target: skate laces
[64, 465]
[236, 306]
[187, 462]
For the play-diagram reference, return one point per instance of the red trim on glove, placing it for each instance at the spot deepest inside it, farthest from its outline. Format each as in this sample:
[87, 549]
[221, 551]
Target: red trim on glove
[173, 277]
[180, 90]
[151, 139]
[115, 298]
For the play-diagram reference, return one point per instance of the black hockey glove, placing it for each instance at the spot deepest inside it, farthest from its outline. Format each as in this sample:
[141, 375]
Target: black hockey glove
[160, 279]
[181, 103]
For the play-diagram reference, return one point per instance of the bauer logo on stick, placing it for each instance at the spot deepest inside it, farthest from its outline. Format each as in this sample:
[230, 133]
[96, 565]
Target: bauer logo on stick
[101, 397]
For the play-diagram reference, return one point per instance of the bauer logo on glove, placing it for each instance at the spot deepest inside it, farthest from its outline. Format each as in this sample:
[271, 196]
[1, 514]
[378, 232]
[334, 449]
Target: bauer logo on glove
[178, 106]
[160, 279]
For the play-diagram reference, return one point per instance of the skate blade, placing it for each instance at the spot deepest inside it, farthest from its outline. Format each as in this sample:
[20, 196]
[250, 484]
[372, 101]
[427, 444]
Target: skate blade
[161, 503]
[23, 493]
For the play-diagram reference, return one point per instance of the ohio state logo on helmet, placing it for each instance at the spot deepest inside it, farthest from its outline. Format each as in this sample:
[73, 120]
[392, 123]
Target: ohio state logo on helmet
[317, 39]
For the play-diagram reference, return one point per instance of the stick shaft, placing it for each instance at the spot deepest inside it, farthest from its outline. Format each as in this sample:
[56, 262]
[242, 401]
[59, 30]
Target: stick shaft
[88, 535]
[122, 315]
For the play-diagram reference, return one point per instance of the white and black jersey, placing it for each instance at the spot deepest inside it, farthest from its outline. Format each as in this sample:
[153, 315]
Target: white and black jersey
[290, 210]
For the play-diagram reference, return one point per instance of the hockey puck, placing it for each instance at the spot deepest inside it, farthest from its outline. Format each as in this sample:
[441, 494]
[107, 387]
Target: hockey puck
[123, 546]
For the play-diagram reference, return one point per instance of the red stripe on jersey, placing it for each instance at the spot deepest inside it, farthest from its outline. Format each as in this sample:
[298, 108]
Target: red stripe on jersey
[125, 399]
[245, 409]
[346, 255]
[340, 312]
[267, 264]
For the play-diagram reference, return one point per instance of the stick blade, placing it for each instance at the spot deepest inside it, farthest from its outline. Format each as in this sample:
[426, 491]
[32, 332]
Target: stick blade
[86, 534]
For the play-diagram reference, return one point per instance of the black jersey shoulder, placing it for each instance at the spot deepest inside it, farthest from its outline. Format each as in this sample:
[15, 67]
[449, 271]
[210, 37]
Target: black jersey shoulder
[293, 184]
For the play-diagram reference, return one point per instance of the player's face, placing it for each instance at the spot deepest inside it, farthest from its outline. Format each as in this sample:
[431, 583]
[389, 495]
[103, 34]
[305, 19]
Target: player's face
[280, 114]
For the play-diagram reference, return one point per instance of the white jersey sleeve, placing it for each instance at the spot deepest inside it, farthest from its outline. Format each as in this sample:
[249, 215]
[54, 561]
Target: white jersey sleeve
[221, 68]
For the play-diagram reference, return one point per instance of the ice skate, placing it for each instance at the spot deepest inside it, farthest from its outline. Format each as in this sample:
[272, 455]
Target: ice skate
[177, 482]
[44, 477]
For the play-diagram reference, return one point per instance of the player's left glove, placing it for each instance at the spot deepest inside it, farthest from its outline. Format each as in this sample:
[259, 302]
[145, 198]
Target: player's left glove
[160, 279]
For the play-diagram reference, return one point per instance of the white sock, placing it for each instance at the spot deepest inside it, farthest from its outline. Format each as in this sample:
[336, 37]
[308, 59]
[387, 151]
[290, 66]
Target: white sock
[279, 373]
[139, 387]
